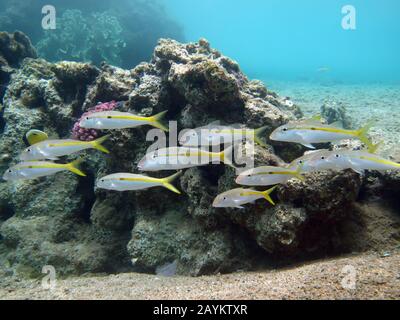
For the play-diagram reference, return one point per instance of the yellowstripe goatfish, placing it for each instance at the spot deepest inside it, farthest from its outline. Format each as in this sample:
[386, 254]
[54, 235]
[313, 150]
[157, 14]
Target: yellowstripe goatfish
[121, 120]
[129, 181]
[214, 134]
[176, 158]
[52, 149]
[36, 169]
[360, 161]
[237, 197]
[311, 131]
[268, 175]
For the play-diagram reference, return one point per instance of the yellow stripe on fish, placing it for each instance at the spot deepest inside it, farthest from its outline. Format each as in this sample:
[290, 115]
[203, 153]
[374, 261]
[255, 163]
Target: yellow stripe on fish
[381, 161]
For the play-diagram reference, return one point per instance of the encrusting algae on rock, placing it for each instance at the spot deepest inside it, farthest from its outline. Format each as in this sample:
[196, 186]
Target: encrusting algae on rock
[143, 230]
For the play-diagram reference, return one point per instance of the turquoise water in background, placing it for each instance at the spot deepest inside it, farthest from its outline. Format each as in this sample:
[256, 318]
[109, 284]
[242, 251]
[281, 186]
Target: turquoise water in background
[291, 40]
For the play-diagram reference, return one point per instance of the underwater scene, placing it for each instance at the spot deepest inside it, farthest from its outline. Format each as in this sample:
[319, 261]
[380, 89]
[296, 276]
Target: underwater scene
[204, 150]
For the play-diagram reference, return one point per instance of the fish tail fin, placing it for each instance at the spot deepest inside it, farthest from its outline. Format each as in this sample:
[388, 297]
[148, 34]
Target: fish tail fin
[374, 147]
[362, 134]
[156, 121]
[97, 144]
[73, 167]
[226, 156]
[266, 194]
[257, 136]
[298, 172]
[167, 182]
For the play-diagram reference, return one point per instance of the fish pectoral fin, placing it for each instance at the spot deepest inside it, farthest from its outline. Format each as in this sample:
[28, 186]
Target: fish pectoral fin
[308, 145]
[359, 171]
[239, 207]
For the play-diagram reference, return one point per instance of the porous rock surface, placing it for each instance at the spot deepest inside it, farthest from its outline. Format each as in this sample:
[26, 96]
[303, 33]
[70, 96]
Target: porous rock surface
[66, 222]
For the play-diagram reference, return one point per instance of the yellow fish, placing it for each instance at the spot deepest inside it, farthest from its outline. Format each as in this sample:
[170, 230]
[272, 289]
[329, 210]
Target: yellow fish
[237, 197]
[52, 149]
[312, 131]
[121, 120]
[35, 136]
[129, 181]
[36, 169]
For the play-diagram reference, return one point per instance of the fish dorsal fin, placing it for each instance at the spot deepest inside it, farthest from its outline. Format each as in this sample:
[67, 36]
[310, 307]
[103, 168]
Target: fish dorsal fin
[34, 136]
[314, 151]
[317, 117]
[310, 122]
[211, 125]
[336, 124]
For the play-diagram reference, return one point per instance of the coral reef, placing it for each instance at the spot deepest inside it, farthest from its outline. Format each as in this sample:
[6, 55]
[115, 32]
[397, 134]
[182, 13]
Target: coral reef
[120, 32]
[95, 38]
[334, 111]
[13, 49]
[67, 222]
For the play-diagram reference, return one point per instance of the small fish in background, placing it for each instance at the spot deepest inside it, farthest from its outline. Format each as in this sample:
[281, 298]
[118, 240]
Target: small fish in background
[311, 131]
[323, 69]
[52, 149]
[268, 175]
[176, 158]
[236, 198]
[313, 161]
[36, 169]
[35, 136]
[168, 269]
[215, 134]
[360, 160]
[108, 120]
[129, 182]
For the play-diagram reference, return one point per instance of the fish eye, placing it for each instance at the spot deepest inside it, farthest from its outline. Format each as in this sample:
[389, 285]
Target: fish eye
[322, 158]
[9, 171]
[29, 150]
[224, 198]
[102, 180]
[300, 161]
[337, 156]
[249, 175]
[87, 118]
[285, 129]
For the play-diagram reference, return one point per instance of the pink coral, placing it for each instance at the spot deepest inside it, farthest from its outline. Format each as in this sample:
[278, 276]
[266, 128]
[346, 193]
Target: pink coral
[83, 134]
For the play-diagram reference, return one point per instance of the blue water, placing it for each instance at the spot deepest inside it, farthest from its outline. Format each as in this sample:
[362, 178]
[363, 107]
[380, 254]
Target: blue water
[292, 39]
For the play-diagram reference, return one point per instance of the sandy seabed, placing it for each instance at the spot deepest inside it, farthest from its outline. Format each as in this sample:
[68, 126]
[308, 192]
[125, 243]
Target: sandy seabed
[364, 103]
[377, 276]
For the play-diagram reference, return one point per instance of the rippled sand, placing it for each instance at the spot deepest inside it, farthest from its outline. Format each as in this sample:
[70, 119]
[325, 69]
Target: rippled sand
[377, 276]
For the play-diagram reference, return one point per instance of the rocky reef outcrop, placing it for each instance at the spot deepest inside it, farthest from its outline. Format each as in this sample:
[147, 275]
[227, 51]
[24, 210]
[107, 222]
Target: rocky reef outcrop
[66, 222]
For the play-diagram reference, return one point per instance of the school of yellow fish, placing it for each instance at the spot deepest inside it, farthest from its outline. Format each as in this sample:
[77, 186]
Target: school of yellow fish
[37, 160]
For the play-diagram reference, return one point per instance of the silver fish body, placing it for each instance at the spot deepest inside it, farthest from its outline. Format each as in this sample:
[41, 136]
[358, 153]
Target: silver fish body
[108, 120]
[236, 198]
[314, 161]
[36, 169]
[131, 182]
[53, 149]
[310, 131]
[214, 135]
[176, 158]
[266, 176]
[361, 160]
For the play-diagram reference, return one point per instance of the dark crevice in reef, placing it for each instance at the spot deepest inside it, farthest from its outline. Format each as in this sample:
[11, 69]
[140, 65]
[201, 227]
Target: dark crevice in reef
[86, 188]
[6, 212]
